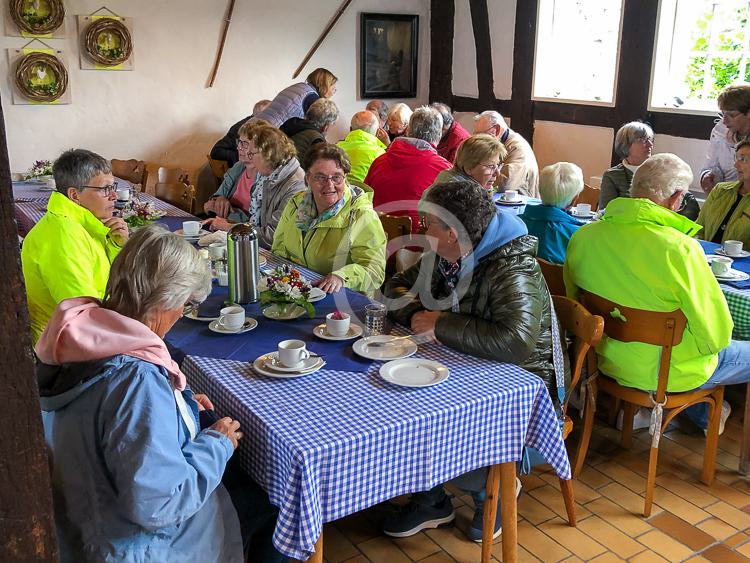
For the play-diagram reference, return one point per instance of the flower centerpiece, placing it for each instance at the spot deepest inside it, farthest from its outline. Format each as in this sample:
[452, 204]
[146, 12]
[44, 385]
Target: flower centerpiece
[40, 169]
[286, 286]
[138, 214]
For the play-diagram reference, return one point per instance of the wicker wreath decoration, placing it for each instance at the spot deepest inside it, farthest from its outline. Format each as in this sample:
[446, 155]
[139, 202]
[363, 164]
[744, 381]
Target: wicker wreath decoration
[41, 77]
[26, 16]
[107, 42]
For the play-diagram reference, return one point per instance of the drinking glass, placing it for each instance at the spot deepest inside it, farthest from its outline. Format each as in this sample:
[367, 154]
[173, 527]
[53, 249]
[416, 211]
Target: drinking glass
[375, 319]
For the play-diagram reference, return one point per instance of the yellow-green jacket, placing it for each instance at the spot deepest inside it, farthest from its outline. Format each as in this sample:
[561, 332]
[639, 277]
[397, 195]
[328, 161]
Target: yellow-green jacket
[362, 148]
[717, 205]
[350, 244]
[642, 255]
[66, 254]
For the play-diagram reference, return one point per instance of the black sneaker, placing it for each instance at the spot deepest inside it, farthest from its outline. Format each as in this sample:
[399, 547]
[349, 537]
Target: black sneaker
[413, 517]
[474, 533]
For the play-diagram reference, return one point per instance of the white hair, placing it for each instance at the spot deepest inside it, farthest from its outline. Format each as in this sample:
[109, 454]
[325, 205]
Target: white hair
[559, 183]
[660, 176]
[401, 111]
[426, 123]
[493, 118]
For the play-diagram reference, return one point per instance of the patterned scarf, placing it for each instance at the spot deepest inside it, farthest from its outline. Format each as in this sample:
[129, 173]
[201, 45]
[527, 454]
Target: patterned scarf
[450, 272]
[256, 192]
[307, 212]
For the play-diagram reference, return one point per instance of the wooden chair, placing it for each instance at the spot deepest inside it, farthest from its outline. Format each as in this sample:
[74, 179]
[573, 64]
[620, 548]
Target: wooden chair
[658, 329]
[394, 227]
[173, 187]
[553, 275]
[589, 195]
[171, 175]
[218, 167]
[134, 171]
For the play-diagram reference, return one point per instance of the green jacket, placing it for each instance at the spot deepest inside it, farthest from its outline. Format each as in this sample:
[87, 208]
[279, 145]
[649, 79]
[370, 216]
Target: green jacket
[66, 254]
[715, 208]
[642, 255]
[351, 244]
[361, 148]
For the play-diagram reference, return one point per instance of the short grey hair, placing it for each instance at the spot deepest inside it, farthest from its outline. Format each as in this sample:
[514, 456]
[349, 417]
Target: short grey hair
[379, 107]
[445, 113]
[322, 112]
[559, 183]
[629, 134]
[77, 167]
[365, 121]
[493, 118]
[260, 105]
[463, 200]
[660, 176]
[426, 124]
[401, 111]
[155, 271]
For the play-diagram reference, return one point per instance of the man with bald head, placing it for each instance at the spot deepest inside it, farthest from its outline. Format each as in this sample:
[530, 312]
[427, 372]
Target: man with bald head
[361, 145]
[520, 170]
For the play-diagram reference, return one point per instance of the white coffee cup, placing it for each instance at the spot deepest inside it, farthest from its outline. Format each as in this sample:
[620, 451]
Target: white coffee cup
[510, 195]
[733, 247]
[232, 317]
[217, 250]
[123, 194]
[337, 327]
[292, 353]
[721, 265]
[191, 228]
[583, 209]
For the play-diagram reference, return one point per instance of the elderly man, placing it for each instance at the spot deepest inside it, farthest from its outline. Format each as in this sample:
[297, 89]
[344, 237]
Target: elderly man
[520, 170]
[380, 109]
[226, 147]
[663, 269]
[361, 145]
[69, 251]
[453, 133]
[306, 132]
[408, 167]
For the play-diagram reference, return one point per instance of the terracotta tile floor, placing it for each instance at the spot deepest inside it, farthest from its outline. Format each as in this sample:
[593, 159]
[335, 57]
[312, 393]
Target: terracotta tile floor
[689, 521]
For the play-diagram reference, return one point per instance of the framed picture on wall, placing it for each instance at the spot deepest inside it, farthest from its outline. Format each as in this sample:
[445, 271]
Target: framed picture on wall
[388, 55]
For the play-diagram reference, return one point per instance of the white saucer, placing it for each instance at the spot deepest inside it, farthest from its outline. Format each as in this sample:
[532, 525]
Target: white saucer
[271, 361]
[260, 366]
[193, 315]
[320, 331]
[294, 312]
[733, 275]
[398, 350]
[250, 324]
[316, 294]
[743, 254]
[589, 215]
[414, 372]
[201, 233]
[520, 201]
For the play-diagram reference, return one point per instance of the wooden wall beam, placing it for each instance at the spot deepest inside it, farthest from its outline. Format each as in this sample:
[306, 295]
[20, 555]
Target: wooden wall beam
[480, 23]
[442, 24]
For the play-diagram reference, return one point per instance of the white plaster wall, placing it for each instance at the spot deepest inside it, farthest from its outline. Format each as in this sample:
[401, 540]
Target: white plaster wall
[692, 151]
[162, 112]
[465, 81]
[502, 34]
[588, 147]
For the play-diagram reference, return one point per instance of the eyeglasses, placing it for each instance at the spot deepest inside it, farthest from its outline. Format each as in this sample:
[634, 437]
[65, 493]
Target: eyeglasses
[731, 114]
[322, 179]
[647, 140]
[243, 145]
[491, 167]
[741, 158]
[106, 191]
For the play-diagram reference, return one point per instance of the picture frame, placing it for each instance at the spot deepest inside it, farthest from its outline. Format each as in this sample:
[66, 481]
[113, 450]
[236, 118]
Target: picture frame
[388, 55]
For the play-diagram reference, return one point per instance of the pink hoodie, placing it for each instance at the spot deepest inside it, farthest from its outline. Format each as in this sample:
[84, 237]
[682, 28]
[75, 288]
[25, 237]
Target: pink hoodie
[80, 330]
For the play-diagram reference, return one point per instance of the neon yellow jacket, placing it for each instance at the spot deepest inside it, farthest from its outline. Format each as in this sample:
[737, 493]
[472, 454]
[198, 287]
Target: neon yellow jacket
[350, 244]
[642, 255]
[66, 254]
[717, 205]
[362, 148]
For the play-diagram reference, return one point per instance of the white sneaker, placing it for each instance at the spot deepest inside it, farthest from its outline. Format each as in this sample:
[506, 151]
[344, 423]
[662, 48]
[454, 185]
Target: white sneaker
[726, 410]
[642, 419]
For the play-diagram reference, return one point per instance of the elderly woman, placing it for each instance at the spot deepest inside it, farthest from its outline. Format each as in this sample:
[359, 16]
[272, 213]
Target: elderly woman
[634, 142]
[478, 159]
[398, 120]
[559, 184]
[259, 198]
[295, 100]
[733, 127]
[492, 302]
[135, 476]
[726, 213]
[332, 228]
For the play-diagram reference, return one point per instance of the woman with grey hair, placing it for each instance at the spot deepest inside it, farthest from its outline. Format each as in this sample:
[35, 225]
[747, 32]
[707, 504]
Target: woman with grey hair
[559, 185]
[478, 159]
[398, 120]
[136, 477]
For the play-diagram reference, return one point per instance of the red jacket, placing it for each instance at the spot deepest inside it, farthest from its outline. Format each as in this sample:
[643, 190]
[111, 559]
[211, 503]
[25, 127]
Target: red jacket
[448, 145]
[407, 168]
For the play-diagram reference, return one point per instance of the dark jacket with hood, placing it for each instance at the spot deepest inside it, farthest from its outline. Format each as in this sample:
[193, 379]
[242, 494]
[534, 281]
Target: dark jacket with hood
[226, 147]
[303, 134]
[502, 302]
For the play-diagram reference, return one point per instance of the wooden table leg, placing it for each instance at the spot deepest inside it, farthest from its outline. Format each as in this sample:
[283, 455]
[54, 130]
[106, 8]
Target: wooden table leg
[505, 473]
[745, 445]
[317, 557]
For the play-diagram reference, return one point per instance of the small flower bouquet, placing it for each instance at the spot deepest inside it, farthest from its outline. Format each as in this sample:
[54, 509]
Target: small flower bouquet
[39, 169]
[285, 286]
[137, 214]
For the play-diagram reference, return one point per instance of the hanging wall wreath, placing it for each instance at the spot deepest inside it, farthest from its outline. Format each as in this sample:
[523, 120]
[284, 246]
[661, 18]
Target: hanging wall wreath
[37, 17]
[107, 42]
[41, 77]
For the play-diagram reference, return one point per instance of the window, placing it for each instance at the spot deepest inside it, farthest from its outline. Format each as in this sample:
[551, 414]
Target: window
[702, 46]
[577, 44]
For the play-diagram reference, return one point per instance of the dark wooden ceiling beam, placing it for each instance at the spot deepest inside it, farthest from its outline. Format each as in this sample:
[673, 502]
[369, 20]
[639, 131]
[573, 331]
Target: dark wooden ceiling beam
[442, 23]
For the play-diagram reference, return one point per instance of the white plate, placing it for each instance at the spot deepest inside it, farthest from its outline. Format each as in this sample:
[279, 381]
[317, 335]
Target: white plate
[316, 294]
[743, 254]
[193, 315]
[271, 361]
[320, 331]
[733, 275]
[414, 372]
[250, 324]
[399, 349]
[293, 312]
[260, 366]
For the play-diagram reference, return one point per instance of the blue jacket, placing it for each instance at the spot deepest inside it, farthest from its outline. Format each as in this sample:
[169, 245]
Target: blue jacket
[129, 484]
[553, 227]
[292, 101]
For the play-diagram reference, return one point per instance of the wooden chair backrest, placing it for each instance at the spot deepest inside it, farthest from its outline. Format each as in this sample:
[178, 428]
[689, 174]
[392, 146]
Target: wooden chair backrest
[178, 194]
[553, 275]
[134, 171]
[589, 195]
[171, 176]
[395, 226]
[218, 167]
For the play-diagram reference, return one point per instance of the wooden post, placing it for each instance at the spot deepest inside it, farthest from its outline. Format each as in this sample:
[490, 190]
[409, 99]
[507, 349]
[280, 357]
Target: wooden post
[27, 529]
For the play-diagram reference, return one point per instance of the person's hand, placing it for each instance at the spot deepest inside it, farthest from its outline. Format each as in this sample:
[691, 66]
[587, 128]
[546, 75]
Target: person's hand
[219, 205]
[204, 403]
[217, 224]
[230, 428]
[330, 284]
[708, 182]
[382, 134]
[423, 324]
[118, 230]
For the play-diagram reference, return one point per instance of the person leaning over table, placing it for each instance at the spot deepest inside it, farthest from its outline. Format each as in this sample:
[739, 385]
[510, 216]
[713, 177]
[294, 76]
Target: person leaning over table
[550, 223]
[361, 145]
[726, 212]
[69, 251]
[478, 159]
[134, 476]
[226, 148]
[258, 199]
[331, 227]
[492, 303]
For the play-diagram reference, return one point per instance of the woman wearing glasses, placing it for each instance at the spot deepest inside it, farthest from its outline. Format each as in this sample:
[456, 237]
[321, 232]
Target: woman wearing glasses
[258, 187]
[478, 159]
[733, 126]
[331, 227]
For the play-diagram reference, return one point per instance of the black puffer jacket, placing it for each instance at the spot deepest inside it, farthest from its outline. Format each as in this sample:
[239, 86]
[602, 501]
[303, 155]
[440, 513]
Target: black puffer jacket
[504, 313]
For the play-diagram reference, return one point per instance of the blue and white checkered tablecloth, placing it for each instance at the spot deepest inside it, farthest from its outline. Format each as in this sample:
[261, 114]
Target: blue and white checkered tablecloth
[335, 442]
[738, 301]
